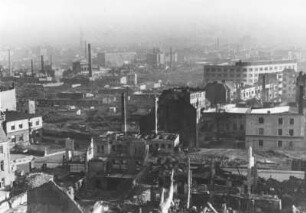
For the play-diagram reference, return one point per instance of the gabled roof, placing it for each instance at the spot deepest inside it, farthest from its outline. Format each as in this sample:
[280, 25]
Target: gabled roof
[15, 116]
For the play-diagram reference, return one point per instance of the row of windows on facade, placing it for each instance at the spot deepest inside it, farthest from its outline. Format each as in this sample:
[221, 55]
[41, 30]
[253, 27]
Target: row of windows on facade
[250, 69]
[235, 127]
[255, 93]
[14, 139]
[21, 125]
[279, 143]
[118, 148]
[261, 131]
[261, 120]
[196, 95]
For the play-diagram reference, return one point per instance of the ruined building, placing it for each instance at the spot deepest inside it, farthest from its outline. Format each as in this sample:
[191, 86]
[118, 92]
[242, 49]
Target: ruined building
[117, 158]
[179, 111]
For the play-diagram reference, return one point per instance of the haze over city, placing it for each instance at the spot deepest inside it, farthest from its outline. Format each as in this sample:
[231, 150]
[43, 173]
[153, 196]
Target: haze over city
[135, 21]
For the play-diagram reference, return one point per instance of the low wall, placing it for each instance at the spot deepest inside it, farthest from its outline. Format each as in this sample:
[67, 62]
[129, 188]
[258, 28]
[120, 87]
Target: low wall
[18, 200]
[4, 206]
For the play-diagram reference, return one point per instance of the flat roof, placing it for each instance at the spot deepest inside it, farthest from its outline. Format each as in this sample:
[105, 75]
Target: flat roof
[255, 63]
[274, 110]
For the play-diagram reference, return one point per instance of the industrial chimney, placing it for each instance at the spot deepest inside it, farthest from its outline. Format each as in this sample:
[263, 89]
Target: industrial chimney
[89, 61]
[42, 63]
[123, 112]
[9, 62]
[32, 68]
[156, 115]
[263, 98]
[85, 49]
[301, 99]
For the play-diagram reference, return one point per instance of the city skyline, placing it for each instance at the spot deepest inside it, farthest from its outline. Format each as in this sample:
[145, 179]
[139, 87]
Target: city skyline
[60, 22]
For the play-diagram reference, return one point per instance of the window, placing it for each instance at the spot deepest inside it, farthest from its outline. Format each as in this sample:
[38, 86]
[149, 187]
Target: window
[13, 127]
[241, 127]
[2, 165]
[280, 121]
[162, 146]
[279, 143]
[291, 121]
[1, 149]
[37, 123]
[21, 138]
[30, 124]
[291, 132]
[169, 146]
[280, 132]
[260, 143]
[20, 126]
[261, 120]
[261, 131]
[234, 127]
[291, 144]
[13, 139]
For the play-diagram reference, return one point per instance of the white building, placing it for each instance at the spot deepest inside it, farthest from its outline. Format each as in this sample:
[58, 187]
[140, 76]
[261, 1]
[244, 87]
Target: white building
[245, 72]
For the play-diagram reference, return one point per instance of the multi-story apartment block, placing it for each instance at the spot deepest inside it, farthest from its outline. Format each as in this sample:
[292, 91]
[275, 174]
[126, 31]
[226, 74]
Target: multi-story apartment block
[245, 72]
[22, 128]
[271, 131]
[285, 80]
[255, 91]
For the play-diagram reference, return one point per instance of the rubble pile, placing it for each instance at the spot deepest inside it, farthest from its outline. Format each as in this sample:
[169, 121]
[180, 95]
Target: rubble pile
[291, 192]
[37, 179]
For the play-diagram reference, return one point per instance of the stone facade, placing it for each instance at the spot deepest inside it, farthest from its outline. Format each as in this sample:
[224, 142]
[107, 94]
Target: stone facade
[275, 131]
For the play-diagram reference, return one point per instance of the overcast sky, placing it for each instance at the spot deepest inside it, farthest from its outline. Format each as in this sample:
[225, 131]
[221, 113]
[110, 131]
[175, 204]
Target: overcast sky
[61, 20]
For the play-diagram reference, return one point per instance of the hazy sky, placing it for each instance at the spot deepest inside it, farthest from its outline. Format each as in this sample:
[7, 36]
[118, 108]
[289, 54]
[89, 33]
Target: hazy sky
[34, 21]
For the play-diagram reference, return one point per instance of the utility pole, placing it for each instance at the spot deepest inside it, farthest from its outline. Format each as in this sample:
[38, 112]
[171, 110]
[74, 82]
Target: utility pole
[189, 183]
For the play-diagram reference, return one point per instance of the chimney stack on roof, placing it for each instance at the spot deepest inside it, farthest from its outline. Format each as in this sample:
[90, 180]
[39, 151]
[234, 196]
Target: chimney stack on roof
[89, 60]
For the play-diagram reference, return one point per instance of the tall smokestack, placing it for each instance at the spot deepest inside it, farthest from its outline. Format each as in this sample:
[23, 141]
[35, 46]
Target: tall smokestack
[251, 164]
[51, 62]
[123, 112]
[263, 98]
[85, 49]
[89, 60]
[9, 61]
[32, 68]
[156, 115]
[42, 63]
[301, 99]
[171, 53]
